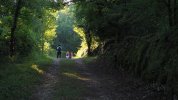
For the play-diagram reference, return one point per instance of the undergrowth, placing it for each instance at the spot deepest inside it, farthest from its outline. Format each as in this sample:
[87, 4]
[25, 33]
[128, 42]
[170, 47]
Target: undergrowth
[154, 59]
[18, 79]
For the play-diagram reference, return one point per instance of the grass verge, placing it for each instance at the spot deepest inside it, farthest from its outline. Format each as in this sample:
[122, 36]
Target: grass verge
[18, 80]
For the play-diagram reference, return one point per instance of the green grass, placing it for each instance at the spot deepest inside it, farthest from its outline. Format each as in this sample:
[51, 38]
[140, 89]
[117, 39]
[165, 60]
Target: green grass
[18, 80]
[69, 87]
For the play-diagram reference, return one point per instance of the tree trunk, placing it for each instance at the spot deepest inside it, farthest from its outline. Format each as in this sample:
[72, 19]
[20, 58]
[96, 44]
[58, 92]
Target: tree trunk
[171, 6]
[170, 13]
[115, 55]
[89, 40]
[15, 19]
[125, 3]
[174, 11]
[42, 43]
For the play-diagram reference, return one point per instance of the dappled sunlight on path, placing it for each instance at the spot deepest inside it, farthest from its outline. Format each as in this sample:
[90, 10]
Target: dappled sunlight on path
[46, 89]
[94, 87]
[76, 80]
[36, 68]
[72, 75]
[115, 85]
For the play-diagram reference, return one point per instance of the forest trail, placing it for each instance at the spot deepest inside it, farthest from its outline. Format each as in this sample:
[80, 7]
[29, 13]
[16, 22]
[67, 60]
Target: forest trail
[92, 82]
[46, 89]
[115, 85]
[79, 81]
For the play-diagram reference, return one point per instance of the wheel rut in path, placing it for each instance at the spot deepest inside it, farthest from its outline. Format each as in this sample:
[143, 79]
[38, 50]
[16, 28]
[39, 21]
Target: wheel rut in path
[95, 90]
[46, 89]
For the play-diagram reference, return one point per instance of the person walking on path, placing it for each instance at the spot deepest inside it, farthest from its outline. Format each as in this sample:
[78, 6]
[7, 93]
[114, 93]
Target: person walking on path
[59, 51]
[67, 54]
[71, 55]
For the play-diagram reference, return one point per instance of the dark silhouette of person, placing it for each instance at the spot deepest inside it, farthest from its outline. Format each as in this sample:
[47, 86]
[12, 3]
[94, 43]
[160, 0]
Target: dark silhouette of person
[70, 56]
[59, 51]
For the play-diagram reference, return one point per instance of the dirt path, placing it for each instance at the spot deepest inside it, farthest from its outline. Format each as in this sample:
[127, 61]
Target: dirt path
[97, 84]
[95, 89]
[116, 85]
[46, 89]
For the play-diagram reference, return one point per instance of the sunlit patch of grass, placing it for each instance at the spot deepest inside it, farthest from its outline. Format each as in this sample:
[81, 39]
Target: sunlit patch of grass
[75, 76]
[18, 80]
[36, 68]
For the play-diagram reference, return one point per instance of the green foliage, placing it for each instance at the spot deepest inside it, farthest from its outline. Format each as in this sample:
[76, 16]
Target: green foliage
[18, 80]
[36, 20]
[82, 51]
[69, 40]
[137, 35]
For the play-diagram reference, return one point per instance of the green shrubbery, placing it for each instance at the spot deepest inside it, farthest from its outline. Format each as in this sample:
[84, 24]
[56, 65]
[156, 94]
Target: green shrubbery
[154, 59]
[138, 35]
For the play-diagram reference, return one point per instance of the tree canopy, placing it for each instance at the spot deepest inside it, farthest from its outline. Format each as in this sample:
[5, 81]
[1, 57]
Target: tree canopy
[27, 25]
[66, 36]
[139, 36]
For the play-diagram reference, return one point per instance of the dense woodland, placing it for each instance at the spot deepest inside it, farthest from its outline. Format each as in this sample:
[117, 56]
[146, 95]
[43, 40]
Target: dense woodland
[138, 36]
[65, 34]
[26, 26]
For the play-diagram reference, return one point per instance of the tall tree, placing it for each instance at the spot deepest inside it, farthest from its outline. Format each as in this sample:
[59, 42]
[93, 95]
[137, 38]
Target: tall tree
[14, 25]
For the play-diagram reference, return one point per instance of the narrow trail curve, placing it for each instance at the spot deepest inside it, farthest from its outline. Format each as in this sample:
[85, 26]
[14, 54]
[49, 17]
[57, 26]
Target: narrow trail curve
[46, 89]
